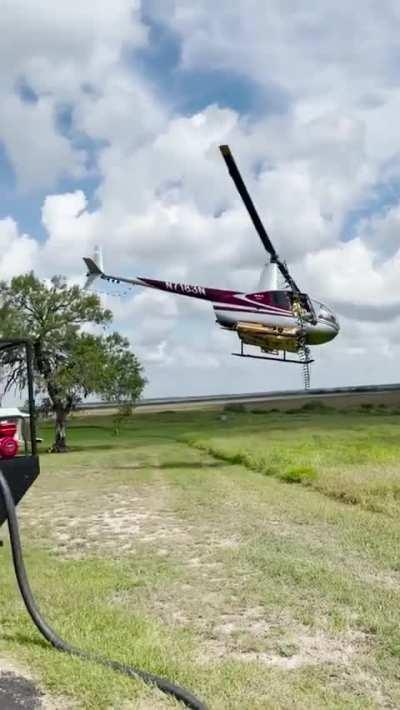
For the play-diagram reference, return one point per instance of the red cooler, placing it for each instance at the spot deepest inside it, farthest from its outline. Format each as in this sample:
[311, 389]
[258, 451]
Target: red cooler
[8, 444]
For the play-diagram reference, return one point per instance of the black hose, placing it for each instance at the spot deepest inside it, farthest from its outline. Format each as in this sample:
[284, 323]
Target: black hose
[181, 694]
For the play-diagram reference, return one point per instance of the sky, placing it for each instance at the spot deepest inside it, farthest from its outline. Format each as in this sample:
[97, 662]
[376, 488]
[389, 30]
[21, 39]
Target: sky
[112, 114]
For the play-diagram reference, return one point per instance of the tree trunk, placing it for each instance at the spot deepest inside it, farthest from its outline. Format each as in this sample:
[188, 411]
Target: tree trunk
[60, 442]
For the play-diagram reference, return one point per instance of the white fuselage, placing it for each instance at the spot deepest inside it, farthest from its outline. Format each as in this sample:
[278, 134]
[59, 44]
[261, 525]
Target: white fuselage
[322, 332]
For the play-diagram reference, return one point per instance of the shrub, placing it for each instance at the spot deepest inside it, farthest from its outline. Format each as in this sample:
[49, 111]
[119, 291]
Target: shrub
[234, 407]
[299, 474]
[260, 410]
[316, 406]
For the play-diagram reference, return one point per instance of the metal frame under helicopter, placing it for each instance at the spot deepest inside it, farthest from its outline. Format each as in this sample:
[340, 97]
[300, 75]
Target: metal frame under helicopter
[273, 358]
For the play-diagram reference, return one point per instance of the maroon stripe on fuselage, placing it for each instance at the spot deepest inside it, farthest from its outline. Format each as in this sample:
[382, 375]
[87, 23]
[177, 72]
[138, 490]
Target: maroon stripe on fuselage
[233, 298]
[193, 291]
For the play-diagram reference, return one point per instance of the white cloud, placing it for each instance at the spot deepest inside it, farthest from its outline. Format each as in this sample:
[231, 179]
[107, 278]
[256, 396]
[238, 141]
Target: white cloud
[38, 152]
[149, 316]
[122, 112]
[381, 232]
[56, 47]
[71, 229]
[310, 50]
[60, 51]
[18, 251]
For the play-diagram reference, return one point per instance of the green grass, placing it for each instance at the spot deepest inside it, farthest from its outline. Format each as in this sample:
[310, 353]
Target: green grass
[351, 457]
[253, 558]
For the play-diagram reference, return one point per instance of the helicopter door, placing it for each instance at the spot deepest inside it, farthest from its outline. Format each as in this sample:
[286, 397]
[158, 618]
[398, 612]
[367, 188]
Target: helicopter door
[309, 307]
[306, 306]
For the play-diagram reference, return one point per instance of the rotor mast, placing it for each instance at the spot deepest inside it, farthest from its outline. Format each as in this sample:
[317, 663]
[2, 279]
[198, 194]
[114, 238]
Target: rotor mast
[268, 280]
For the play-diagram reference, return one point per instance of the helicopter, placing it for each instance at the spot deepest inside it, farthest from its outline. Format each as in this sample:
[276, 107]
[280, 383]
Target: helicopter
[279, 321]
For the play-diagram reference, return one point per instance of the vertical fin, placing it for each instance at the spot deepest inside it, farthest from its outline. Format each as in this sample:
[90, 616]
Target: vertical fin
[95, 266]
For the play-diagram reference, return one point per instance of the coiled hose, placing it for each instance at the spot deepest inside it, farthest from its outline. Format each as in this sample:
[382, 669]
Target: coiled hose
[181, 694]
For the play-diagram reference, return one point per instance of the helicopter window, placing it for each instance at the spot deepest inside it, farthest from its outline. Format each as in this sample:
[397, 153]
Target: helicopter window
[280, 299]
[326, 314]
[300, 299]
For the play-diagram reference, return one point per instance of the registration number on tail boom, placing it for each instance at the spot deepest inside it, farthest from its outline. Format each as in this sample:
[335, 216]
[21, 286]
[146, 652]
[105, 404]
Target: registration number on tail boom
[185, 288]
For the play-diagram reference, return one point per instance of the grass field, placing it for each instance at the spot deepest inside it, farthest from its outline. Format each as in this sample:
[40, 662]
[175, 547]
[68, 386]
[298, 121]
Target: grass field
[254, 559]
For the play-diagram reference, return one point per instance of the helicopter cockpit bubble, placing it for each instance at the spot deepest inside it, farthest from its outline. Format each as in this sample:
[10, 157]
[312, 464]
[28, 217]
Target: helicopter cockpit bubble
[327, 314]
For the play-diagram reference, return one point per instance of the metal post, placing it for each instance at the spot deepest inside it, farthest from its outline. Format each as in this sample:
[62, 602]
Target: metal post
[31, 396]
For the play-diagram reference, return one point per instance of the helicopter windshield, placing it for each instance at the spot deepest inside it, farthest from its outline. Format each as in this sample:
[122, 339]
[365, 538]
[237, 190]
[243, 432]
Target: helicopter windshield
[325, 313]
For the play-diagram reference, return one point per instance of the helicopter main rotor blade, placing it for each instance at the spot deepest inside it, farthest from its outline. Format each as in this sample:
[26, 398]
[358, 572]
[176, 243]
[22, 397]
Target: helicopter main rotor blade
[260, 229]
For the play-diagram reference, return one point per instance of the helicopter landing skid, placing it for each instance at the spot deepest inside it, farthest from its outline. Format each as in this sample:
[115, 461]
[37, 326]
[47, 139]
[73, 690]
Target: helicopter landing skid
[273, 358]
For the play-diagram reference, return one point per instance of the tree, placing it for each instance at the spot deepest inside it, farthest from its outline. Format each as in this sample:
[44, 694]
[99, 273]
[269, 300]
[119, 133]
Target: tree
[69, 362]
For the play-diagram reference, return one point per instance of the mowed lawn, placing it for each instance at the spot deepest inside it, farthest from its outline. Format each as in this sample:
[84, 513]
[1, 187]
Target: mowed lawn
[251, 557]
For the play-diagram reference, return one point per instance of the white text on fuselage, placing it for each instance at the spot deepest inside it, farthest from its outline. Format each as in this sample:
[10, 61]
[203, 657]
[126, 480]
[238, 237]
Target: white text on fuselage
[186, 288]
